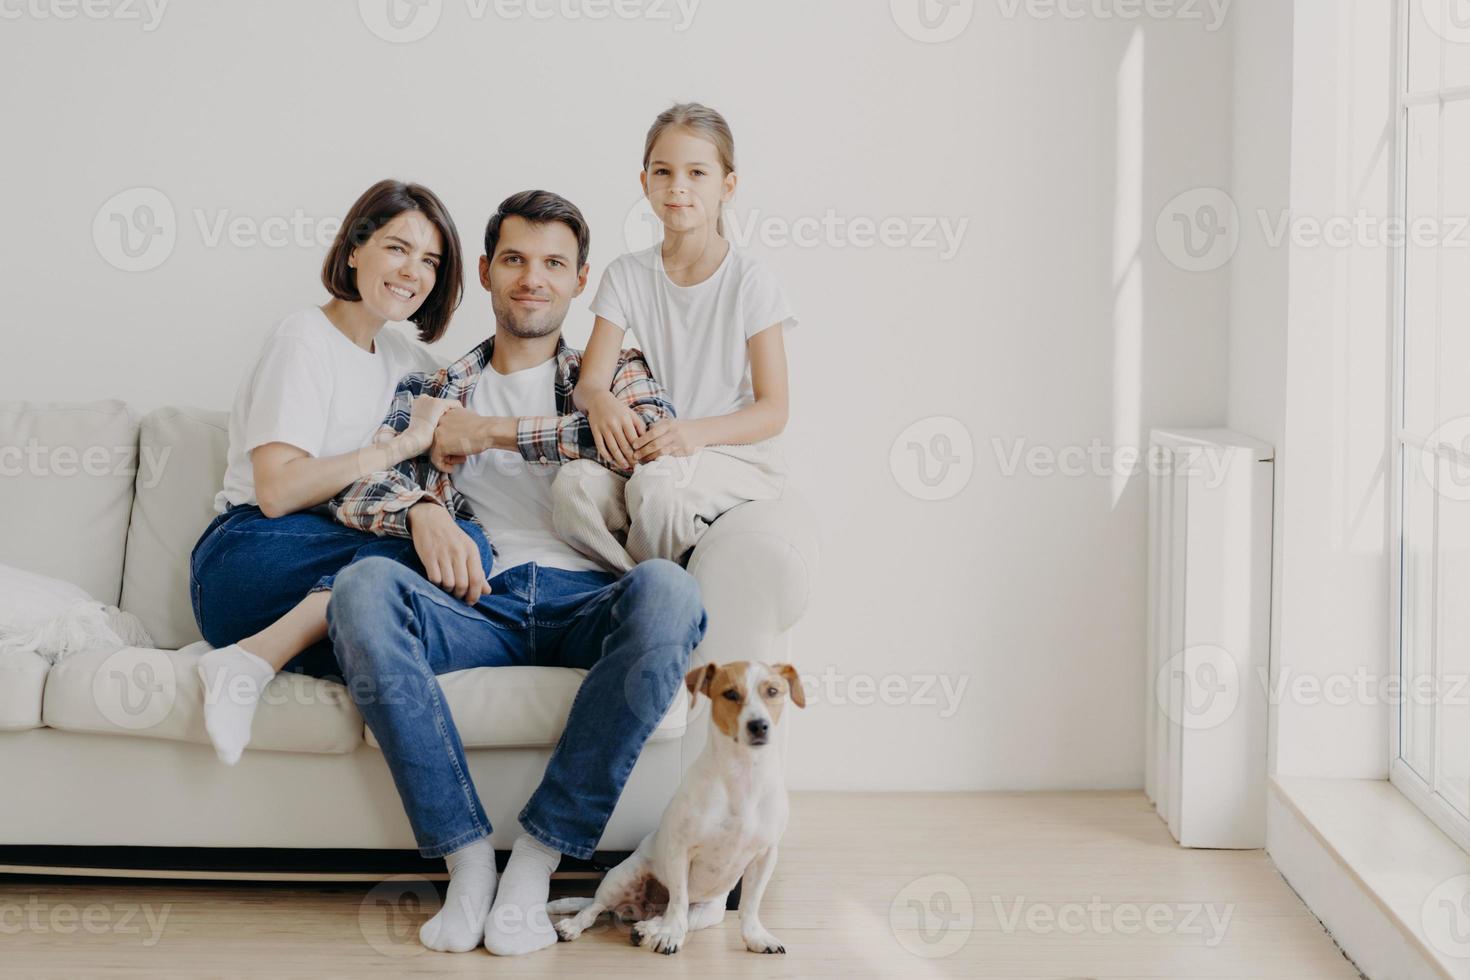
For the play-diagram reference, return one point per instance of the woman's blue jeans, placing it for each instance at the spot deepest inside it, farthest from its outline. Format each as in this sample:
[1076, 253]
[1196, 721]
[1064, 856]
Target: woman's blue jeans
[249, 570]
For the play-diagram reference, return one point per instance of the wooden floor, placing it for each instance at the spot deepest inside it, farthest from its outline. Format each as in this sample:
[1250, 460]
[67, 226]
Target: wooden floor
[934, 885]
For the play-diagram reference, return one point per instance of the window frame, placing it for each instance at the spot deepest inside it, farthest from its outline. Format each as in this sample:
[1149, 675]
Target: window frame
[1420, 791]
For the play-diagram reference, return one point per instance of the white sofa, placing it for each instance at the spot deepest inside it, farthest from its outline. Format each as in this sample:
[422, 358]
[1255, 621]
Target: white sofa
[110, 750]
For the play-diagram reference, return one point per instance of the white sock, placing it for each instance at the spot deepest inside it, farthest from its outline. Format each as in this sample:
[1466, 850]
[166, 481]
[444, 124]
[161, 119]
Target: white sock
[233, 680]
[519, 922]
[460, 924]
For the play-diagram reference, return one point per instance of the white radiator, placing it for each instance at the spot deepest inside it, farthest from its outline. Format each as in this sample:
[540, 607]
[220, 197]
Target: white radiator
[1209, 634]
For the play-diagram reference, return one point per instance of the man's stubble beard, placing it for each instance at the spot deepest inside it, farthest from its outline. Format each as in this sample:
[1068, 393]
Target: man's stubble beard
[505, 319]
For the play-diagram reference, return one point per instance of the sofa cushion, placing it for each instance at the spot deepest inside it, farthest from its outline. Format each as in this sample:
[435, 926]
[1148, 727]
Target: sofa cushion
[182, 453]
[158, 694]
[66, 486]
[22, 681]
[513, 707]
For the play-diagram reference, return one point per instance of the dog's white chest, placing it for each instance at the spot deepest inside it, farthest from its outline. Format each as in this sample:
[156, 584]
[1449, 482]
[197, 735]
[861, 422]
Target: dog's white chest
[727, 841]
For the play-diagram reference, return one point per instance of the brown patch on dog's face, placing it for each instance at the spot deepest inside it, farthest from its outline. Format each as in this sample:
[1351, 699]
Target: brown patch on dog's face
[727, 697]
[724, 685]
[777, 683]
[697, 681]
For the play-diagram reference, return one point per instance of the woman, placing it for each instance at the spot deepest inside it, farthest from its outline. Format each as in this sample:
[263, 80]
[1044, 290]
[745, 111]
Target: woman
[301, 430]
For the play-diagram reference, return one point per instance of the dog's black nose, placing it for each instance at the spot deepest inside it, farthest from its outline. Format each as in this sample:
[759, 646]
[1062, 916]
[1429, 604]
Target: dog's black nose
[758, 727]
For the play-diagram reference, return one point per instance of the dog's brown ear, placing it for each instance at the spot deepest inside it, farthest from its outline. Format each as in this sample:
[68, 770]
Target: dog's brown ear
[698, 680]
[794, 679]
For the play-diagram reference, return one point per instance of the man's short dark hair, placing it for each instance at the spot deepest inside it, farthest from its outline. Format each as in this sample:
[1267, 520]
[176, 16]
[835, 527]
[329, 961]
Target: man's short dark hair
[377, 206]
[539, 208]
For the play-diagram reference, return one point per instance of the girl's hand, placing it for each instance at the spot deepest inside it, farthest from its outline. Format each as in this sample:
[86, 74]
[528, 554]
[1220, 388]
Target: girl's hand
[614, 426]
[422, 421]
[669, 437]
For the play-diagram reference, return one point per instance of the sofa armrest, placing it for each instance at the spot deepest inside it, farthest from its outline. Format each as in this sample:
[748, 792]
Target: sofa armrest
[756, 568]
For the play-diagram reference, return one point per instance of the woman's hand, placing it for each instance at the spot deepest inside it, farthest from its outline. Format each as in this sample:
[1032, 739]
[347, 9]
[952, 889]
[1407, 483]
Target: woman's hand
[422, 421]
[669, 437]
[449, 555]
[614, 426]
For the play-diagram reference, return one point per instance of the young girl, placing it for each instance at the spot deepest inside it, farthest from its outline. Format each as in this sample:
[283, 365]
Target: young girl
[301, 430]
[707, 317]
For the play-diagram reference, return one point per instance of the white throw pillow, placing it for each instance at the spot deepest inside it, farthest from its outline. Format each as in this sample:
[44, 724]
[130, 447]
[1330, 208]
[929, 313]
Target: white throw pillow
[53, 619]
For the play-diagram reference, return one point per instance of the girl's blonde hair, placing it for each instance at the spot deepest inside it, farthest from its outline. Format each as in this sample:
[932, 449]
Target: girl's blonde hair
[702, 121]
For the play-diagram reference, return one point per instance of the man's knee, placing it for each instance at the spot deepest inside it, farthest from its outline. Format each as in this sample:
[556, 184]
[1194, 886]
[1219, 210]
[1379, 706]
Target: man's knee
[659, 585]
[361, 589]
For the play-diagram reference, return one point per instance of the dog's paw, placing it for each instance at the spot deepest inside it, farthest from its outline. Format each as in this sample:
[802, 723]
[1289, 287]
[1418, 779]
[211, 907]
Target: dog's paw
[645, 928]
[760, 941]
[658, 935]
[567, 930]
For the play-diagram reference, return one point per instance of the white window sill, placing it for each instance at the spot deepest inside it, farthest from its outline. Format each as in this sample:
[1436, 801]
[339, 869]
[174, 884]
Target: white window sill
[1379, 874]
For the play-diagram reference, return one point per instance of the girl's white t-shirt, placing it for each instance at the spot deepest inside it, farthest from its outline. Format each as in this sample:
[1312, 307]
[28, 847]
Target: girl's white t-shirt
[694, 336]
[313, 388]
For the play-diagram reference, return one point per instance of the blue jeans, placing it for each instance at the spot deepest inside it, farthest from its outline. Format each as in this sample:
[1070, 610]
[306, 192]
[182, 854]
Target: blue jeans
[249, 570]
[393, 631]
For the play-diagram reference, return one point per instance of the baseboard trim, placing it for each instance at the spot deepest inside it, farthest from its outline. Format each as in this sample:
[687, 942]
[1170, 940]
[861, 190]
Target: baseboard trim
[253, 863]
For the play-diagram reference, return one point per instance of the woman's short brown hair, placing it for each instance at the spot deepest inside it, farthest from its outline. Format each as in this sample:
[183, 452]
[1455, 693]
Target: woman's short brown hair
[377, 206]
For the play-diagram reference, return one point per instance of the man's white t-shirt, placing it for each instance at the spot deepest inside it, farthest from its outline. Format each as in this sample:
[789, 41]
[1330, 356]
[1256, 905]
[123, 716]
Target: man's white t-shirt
[313, 388]
[510, 494]
[694, 336]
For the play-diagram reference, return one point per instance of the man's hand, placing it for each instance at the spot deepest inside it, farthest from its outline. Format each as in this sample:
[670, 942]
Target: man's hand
[462, 434]
[449, 555]
[669, 437]
[614, 427]
[457, 438]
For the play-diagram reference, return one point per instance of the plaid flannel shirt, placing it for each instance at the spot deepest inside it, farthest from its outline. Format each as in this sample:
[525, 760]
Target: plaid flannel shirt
[380, 501]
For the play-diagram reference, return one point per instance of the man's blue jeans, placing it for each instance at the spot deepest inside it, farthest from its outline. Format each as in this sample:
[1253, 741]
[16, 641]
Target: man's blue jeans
[249, 570]
[393, 631]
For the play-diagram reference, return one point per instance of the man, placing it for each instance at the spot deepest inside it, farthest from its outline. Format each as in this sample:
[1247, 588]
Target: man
[393, 630]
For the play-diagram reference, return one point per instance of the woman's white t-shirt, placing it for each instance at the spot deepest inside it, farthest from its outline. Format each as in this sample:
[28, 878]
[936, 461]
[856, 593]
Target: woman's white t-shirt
[313, 388]
[694, 336]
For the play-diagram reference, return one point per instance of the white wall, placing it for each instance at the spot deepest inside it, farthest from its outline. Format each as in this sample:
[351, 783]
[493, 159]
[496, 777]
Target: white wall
[1260, 182]
[1059, 321]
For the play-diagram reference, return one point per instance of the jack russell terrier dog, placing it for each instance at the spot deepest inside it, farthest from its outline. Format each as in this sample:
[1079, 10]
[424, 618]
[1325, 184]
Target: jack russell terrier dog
[723, 823]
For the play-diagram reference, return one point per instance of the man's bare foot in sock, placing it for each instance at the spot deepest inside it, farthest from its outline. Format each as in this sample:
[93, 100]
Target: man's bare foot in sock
[460, 924]
[518, 922]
